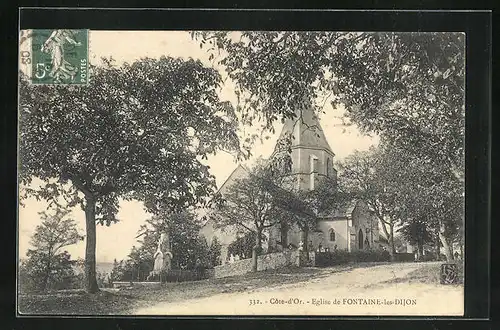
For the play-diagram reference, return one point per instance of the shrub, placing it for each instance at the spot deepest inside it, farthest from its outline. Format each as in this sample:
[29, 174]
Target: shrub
[404, 257]
[41, 272]
[428, 257]
[339, 257]
[182, 275]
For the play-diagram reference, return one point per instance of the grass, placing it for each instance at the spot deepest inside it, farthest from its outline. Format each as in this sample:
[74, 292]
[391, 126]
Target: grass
[428, 273]
[75, 302]
[123, 301]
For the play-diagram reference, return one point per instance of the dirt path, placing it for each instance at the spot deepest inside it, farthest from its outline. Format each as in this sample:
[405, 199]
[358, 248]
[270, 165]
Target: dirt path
[362, 291]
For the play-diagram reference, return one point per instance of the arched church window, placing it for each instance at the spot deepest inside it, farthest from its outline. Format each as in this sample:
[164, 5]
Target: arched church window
[332, 235]
[328, 167]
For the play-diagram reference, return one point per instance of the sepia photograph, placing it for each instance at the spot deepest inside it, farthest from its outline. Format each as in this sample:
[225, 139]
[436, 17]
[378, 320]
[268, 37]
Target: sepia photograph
[241, 173]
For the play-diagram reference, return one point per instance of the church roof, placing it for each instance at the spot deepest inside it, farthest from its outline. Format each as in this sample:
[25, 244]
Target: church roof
[239, 172]
[305, 130]
[343, 211]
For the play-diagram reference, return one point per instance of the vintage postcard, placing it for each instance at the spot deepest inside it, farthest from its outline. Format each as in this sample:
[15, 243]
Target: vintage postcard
[241, 173]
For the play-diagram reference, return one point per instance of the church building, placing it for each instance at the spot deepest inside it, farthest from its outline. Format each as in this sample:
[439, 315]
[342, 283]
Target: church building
[349, 227]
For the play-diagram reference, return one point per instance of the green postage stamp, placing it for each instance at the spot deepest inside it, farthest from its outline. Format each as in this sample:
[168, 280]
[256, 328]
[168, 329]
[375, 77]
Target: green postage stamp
[58, 56]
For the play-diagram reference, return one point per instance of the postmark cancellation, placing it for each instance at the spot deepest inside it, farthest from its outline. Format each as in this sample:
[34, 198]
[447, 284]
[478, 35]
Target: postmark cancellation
[55, 56]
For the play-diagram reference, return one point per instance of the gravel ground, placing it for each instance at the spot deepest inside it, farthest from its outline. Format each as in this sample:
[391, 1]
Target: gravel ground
[389, 289]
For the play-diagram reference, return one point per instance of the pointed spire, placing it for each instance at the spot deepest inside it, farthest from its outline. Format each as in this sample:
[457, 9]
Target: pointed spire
[305, 129]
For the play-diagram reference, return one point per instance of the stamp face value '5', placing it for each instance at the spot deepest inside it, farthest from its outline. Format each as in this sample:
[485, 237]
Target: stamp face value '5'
[57, 56]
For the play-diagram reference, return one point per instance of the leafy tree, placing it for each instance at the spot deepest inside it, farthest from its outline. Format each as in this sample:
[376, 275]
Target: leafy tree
[303, 207]
[435, 197]
[374, 176]
[34, 275]
[46, 265]
[249, 205]
[417, 233]
[407, 87]
[137, 131]
[404, 190]
[117, 273]
[243, 245]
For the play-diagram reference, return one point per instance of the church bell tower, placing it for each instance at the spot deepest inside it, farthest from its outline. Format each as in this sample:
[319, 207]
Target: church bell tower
[311, 155]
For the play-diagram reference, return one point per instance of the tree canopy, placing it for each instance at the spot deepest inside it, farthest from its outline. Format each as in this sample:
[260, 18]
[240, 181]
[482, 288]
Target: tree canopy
[407, 87]
[183, 230]
[406, 193]
[136, 131]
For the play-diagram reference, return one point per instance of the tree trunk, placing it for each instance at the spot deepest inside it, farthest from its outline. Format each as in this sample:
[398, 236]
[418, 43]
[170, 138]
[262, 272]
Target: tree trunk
[256, 249]
[438, 247]
[448, 252]
[284, 235]
[392, 248]
[90, 248]
[447, 247]
[46, 277]
[420, 250]
[390, 237]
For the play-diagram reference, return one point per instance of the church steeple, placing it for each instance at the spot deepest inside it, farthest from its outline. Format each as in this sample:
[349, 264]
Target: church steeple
[311, 154]
[305, 131]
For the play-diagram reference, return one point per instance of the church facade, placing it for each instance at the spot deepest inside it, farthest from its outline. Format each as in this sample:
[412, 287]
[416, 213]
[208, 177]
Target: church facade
[349, 227]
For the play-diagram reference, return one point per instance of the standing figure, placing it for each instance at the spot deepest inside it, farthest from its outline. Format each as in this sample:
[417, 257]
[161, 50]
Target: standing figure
[54, 45]
[162, 260]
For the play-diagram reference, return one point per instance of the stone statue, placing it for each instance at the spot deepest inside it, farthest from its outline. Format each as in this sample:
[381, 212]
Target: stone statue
[162, 257]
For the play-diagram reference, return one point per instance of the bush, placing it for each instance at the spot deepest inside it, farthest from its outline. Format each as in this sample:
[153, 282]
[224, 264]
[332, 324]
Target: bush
[339, 257]
[35, 276]
[182, 275]
[404, 257]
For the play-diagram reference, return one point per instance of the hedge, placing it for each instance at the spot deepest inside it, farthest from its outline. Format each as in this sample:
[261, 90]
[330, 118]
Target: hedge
[404, 257]
[183, 275]
[339, 257]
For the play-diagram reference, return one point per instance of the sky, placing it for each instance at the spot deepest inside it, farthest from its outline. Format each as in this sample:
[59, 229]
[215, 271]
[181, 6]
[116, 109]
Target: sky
[117, 240]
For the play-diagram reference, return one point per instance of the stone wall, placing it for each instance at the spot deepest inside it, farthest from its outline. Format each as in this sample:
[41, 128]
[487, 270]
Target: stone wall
[264, 262]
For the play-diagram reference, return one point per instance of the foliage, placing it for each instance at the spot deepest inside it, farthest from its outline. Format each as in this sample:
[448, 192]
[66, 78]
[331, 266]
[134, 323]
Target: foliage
[186, 245]
[55, 232]
[243, 246]
[249, 205]
[423, 198]
[40, 273]
[147, 126]
[417, 232]
[373, 176]
[404, 257]
[46, 266]
[407, 87]
[339, 257]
